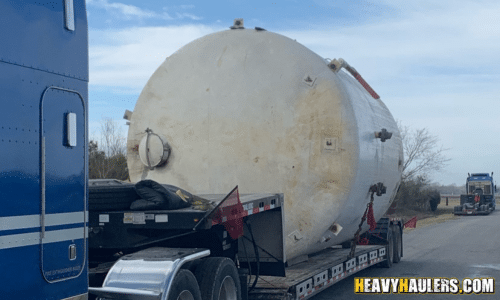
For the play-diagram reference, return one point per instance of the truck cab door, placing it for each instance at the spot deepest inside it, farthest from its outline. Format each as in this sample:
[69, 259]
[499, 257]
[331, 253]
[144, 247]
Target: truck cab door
[63, 184]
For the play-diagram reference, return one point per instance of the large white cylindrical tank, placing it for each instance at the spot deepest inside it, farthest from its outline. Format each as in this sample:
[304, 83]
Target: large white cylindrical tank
[259, 110]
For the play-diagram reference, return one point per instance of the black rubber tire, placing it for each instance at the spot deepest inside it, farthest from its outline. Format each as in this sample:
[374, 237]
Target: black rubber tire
[114, 195]
[396, 234]
[183, 285]
[212, 273]
[390, 250]
[156, 196]
[111, 195]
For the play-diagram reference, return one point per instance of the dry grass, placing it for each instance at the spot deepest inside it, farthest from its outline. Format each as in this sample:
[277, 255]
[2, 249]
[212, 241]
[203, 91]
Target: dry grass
[425, 218]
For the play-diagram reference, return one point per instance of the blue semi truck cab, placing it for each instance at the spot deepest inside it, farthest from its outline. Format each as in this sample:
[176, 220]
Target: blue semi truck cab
[480, 195]
[43, 149]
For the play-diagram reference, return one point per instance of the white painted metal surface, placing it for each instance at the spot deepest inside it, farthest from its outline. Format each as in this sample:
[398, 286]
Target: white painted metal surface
[259, 110]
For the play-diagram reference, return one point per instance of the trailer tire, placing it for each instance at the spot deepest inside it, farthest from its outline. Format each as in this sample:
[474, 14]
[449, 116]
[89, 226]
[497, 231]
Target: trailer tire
[218, 279]
[396, 231]
[184, 287]
[110, 195]
[390, 249]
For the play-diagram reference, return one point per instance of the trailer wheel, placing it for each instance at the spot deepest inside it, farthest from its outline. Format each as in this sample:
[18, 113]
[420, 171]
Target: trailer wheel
[390, 249]
[396, 231]
[184, 287]
[218, 279]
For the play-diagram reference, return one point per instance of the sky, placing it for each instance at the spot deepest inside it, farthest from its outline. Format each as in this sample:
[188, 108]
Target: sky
[435, 64]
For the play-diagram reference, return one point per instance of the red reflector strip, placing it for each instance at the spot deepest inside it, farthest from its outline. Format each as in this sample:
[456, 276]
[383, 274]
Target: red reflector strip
[244, 213]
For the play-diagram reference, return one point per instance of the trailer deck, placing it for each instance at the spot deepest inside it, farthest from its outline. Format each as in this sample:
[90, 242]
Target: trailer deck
[319, 272]
[132, 229]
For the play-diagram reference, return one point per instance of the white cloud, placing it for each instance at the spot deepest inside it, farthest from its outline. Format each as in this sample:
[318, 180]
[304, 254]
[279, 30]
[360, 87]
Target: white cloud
[446, 39]
[128, 11]
[460, 36]
[128, 57]
[443, 54]
[187, 15]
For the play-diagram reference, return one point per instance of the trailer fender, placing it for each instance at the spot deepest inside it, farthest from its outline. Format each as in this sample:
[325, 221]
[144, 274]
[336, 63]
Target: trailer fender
[147, 274]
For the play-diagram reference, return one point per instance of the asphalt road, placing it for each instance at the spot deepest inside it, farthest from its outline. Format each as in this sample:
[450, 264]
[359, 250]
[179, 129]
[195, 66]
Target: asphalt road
[466, 247]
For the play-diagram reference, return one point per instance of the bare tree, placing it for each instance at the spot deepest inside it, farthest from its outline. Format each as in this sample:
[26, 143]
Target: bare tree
[112, 140]
[107, 156]
[423, 155]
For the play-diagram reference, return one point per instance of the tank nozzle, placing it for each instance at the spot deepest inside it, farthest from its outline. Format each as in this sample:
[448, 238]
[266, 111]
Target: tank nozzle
[237, 24]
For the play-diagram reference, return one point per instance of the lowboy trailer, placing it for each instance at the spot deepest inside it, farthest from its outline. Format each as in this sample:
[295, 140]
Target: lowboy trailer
[181, 254]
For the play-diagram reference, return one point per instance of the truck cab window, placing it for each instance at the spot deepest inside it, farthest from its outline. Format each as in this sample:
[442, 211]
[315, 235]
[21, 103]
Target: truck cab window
[487, 189]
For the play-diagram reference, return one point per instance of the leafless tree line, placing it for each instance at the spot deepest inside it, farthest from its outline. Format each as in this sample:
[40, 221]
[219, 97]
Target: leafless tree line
[423, 155]
[107, 153]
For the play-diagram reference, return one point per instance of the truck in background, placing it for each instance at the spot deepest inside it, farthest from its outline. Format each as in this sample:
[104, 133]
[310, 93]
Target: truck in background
[43, 138]
[480, 195]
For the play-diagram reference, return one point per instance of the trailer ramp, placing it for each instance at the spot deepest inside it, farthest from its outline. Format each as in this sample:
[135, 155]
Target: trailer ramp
[319, 272]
